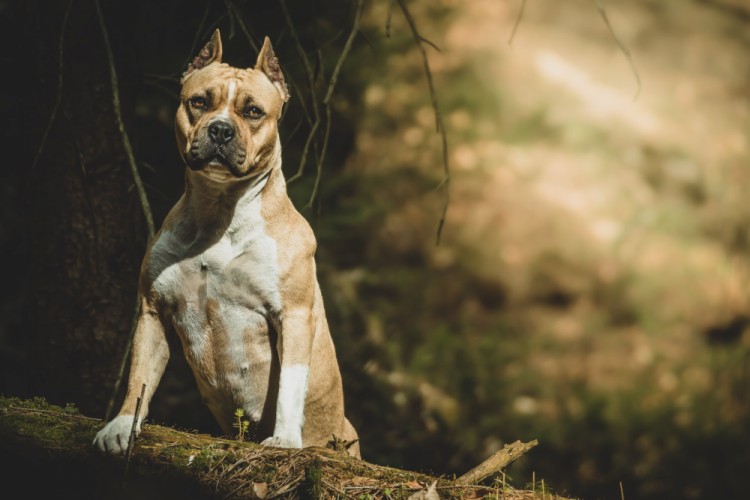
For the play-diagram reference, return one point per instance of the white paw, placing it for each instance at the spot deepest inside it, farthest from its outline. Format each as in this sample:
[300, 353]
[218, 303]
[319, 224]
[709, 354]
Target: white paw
[114, 437]
[283, 442]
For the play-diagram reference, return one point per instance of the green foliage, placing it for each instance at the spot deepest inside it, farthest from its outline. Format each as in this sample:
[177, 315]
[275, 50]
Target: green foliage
[240, 423]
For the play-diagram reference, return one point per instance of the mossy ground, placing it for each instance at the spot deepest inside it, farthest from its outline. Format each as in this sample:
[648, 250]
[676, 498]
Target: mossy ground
[166, 461]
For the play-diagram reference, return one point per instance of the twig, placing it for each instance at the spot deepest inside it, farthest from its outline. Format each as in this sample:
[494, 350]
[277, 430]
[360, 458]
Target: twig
[622, 492]
[388, 18]
[496, 462]
[445, 182]
[429, 42]
[622, 46]
[58, 97]
[329, 93]
[197, 34]
[174, 95]
[131, 439]
[311, 86]
[231, 15]
[518, 21]
[121, 127]
[237, 15]
[319, 165]
[344, 53]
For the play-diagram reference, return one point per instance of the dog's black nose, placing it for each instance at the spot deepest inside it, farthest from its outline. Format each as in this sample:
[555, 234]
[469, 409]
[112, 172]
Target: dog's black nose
[221, 131]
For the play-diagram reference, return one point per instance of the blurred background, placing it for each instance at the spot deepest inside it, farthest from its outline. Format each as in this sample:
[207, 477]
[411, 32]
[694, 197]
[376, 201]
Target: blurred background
[591, 288]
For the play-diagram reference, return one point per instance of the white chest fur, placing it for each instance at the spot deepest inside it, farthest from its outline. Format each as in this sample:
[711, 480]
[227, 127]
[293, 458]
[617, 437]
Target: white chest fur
[219, 292]
[238, 267]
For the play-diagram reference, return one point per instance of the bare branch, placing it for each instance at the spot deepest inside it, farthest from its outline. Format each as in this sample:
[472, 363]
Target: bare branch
[497, 462]
[134, 427]
[238, 16]
[622, 46]
[327, 100]
[197, 35]
[429, 42]
[58, 97]
[121, 127]
[518, 21]
[445, 182]
[311, 86]
[388, 18]
[344, 53]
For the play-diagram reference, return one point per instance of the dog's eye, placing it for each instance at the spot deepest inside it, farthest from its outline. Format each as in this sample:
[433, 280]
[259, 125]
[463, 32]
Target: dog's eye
[253, 112]
[198, 102]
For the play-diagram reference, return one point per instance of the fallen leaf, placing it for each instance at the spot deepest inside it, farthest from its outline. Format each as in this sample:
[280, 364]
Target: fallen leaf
[413, 485]
[428, 494]
[260, 490]
[363, 481]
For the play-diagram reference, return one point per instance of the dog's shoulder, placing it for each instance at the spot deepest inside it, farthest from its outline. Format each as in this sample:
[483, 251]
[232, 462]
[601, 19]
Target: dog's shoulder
[163, 247]
[289, 226]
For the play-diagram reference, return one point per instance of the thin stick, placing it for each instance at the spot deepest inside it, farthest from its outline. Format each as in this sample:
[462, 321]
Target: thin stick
[131, 439]
[121, 127]
[138, 403]
[622, 46]
[445, 182]
[344, 53]
[622, 492]
[388, 18]
[197, 34]
[58, 97]
[329, 93]
[311, 86]
[533, 481]
[243, 27]
[497, 462]
[518, 21]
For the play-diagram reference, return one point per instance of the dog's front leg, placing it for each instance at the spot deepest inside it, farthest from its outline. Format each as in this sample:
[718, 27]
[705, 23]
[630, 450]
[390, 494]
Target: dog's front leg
[296, 331]
[149, 358]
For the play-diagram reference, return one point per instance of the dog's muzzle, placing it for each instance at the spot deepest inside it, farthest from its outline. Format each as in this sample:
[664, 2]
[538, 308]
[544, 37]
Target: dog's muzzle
[216, 146]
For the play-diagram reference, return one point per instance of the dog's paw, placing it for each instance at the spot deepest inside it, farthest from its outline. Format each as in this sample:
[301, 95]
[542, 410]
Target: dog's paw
[282, 442]
[114, 437]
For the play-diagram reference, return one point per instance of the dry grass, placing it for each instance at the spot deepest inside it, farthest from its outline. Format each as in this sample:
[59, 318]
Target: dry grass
[224, 468]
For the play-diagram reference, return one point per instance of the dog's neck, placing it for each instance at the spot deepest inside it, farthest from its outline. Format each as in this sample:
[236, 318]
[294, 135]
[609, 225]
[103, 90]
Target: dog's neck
[213, 206]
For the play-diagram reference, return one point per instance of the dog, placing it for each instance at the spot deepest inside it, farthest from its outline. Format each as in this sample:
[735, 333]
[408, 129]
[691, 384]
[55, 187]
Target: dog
[232, 272]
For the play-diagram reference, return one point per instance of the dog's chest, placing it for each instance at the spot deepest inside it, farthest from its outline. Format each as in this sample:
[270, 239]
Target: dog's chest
[219, 291]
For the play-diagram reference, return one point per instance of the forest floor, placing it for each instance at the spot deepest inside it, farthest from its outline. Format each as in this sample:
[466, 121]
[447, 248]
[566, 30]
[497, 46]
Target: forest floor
[165, 463]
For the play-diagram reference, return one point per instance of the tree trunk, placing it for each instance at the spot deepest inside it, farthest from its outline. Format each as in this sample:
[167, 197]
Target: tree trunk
[87, 234]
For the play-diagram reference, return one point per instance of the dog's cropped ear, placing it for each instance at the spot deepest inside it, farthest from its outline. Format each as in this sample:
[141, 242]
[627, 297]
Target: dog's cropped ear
[210, 53]
[269, 64]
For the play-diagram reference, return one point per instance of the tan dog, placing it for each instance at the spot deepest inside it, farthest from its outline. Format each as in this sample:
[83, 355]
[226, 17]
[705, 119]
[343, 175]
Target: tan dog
[232, 272]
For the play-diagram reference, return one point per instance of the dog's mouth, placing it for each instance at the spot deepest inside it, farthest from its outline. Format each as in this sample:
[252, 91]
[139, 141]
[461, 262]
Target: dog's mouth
[216, 165]
[217, 170]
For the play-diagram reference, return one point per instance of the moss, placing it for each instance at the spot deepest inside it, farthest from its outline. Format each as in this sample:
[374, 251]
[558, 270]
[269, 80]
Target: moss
[167, 462]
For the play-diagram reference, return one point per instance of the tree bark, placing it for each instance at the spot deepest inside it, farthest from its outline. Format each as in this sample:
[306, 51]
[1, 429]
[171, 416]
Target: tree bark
[86, 230]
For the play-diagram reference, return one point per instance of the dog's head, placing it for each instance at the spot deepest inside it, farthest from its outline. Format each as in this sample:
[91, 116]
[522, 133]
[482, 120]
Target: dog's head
[227, 120]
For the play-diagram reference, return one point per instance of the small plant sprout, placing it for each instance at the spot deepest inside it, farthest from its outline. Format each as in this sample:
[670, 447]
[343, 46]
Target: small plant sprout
[240, 424]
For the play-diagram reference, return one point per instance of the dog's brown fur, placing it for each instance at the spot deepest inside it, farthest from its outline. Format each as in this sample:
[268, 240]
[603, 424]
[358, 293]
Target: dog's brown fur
[232, 271]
